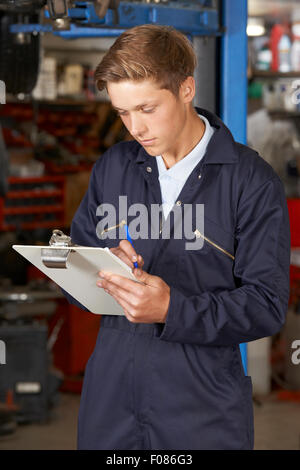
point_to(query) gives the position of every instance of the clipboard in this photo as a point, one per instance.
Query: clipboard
(75, 269)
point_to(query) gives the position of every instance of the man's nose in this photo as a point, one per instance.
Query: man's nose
(137, 125)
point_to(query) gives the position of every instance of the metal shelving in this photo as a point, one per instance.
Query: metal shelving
(28, 208)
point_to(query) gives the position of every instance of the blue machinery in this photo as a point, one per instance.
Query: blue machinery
(222, 21)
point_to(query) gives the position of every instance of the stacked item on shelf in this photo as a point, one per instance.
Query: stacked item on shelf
(62, 137)
(275, 59)
(282, 94)
(280, 52)
(36, 202)
(57, 80)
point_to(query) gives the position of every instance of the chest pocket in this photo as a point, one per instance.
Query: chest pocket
(211, 243)
(208, 264)
(208, 237)
(113, 234)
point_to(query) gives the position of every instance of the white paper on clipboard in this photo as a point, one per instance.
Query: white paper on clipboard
(81, 273)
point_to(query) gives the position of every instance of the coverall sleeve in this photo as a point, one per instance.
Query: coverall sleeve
(257, 307)
(84, 223)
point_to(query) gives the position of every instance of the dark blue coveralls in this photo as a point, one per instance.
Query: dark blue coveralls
(181, 385)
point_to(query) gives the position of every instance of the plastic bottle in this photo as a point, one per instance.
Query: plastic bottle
(49, 76)
(264, 58)
(284, 54)
(295, 49)
(275, 36)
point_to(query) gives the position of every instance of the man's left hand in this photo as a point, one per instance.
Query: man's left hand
(142, 303)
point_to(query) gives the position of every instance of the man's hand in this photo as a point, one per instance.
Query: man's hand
(142, 303)
(127, 253)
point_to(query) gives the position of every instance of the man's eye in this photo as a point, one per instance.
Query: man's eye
(148, 110)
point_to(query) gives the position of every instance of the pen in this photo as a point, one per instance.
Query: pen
(130, 241)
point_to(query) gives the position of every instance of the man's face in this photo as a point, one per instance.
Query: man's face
(153, 116)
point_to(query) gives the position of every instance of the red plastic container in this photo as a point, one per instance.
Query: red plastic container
(275, 36)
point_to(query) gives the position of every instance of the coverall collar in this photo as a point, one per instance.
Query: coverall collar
(221, 148)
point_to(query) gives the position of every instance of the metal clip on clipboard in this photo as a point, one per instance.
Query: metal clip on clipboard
(57, 258)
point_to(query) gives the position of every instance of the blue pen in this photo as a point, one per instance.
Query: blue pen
(130, 241)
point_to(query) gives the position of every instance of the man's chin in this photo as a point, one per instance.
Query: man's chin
(151, 151)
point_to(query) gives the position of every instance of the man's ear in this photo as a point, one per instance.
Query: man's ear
(187, 90)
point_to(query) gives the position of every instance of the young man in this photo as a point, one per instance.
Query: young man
(168, 374)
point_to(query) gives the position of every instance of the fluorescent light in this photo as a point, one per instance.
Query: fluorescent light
(255, 27)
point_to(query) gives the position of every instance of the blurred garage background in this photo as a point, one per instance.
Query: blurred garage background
(54, 125)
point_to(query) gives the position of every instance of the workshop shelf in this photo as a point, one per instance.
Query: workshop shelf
(33, 202)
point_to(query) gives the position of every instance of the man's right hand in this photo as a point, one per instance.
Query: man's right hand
(127, 253)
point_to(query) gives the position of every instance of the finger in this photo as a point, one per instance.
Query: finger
(127, 308)
(131, 318)
(122, 255)
(121, 282)
(120, 293)
(125, 258)
(140, 261)
(147, 279)
(128, 249)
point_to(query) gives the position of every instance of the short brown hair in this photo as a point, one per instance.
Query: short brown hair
(148, 51)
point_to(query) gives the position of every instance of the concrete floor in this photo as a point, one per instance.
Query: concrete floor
(59, 433)
(276, 424)
(277, 427)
